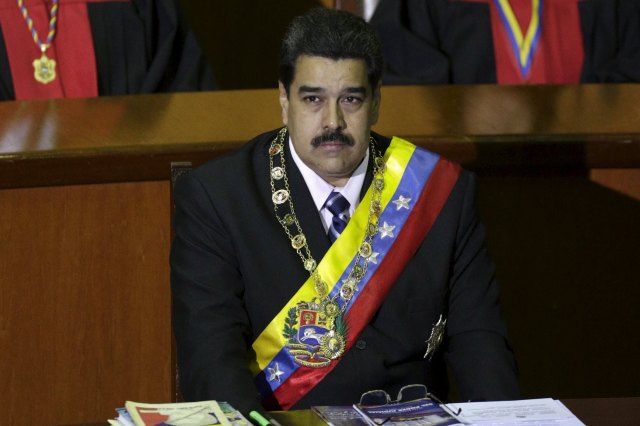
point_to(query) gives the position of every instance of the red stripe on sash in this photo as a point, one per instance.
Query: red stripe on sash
(418, 224)
(432, 198)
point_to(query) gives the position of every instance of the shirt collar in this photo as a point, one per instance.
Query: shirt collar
(320, 189)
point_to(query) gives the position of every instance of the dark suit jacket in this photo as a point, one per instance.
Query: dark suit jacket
(450, 41)
(233, 268)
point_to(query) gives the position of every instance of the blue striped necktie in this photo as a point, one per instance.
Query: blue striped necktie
(339, 208)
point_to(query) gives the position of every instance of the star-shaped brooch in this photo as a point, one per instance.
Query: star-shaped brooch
(386, 230)
(434, 340)
(275, 373)
(401, 203)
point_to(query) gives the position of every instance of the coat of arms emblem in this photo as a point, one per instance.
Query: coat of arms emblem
(316, 335)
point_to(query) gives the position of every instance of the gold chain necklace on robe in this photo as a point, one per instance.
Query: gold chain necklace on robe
(44, 69)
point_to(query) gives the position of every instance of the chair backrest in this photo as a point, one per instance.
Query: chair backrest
(178, 168)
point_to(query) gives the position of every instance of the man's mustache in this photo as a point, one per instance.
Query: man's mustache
(331, 137)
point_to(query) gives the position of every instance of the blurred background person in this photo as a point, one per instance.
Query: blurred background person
(509, 41)
(84, 48)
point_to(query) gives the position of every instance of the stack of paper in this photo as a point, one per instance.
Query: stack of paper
(529, 412)
(185, 413)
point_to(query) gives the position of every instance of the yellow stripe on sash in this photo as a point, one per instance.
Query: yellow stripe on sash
(525, 44)
(337, 258)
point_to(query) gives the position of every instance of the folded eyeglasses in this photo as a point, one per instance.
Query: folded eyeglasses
(407, 393)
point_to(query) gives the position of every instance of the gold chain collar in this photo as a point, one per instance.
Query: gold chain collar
(285, 213)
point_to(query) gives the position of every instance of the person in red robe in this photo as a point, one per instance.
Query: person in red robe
(509, 41)
(84, 48)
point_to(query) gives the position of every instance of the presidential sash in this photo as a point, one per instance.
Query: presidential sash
(299, 346)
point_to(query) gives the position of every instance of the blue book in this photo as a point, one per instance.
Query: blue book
(418, 412)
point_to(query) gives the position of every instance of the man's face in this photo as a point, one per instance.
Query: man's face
(329, 112)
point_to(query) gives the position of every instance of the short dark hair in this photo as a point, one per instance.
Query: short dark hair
(333, 34)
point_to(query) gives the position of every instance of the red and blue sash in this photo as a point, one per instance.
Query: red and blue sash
(417, 185)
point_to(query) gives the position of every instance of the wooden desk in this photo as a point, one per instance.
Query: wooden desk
(606, 411)
(591, 411)
(84, 235)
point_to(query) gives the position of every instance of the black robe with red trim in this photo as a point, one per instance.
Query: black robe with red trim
(450, 41)
(141, 46)
(233, 268)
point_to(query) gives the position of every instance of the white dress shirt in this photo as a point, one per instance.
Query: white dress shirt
(320, 189)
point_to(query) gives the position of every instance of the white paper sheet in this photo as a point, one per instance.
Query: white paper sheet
(529, 412)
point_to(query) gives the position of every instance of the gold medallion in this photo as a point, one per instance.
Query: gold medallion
(372, 229)
(289, 219)
(310, 264)
(331, 309)
(277, 173)
(365, 249)
(320, 286)
(275, 149)
(298, 241)
(376, 208)
(332, 345)
(280, 196)
(348, 289)
(44, 69)
(358, 271)
(379, 183)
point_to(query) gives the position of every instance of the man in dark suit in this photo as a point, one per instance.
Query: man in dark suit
(322, 260)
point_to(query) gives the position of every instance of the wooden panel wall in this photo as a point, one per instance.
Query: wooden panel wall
(566, 252)
(84, 305)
